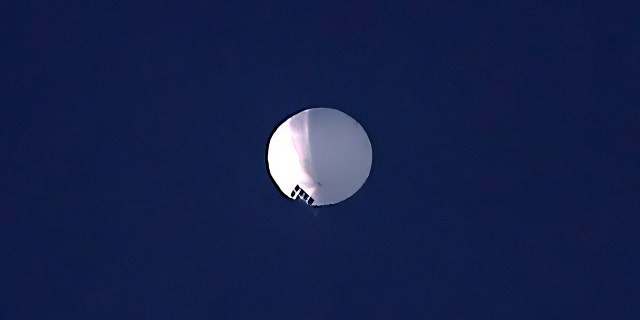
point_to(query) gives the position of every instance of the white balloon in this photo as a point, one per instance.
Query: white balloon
(319, 155)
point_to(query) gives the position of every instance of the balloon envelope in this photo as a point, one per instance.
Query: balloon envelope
(319, 155)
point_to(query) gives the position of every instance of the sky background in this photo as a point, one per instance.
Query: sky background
(505, 180)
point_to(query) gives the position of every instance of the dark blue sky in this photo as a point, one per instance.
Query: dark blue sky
(505, 180)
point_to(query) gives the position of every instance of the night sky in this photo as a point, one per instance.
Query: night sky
(505, 181)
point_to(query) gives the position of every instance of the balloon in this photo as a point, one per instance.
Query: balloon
(319, 155)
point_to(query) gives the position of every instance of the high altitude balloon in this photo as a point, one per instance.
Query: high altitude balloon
(319, 155)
